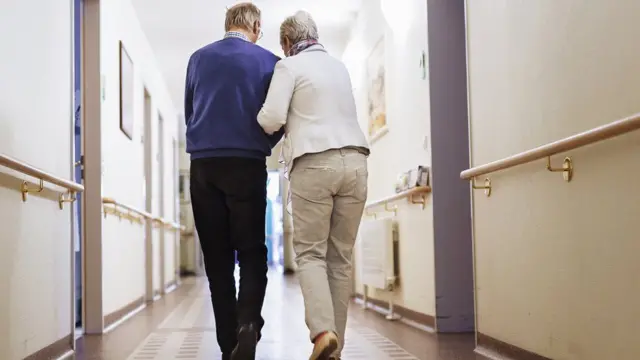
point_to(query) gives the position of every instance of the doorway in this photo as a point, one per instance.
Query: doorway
(274, 221)
(160, 259)
(78, 161)
(148, 196)
(175, 173)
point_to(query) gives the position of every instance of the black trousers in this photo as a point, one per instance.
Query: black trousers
(228, 196)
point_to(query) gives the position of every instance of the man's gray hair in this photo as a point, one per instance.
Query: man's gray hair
(298, 27)
(243, 15)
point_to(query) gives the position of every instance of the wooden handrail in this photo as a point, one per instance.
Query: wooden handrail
(175, 226)
(408, 194)
(42, 175)
(588, 137)
(166, 223)
(111, 201)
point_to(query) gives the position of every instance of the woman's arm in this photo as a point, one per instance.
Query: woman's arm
(273, 114)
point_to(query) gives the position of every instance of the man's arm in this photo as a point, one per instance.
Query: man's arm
(188, 93)
(273, 115)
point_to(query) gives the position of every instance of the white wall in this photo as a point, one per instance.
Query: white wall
(403, 146)
(557, 263)
(123, 159)
(35, 127)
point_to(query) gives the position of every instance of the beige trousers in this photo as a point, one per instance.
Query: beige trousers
(328, 195)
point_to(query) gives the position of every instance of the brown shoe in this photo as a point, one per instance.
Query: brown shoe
(324, 345)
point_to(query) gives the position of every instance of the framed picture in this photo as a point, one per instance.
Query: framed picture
(376, 92)
(126, 93)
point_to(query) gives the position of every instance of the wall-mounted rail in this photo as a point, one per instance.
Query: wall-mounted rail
(133, 214)
(71, 188)
(604, 132)
(417, 195)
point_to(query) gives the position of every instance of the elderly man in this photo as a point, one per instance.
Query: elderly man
(226, 85)
(325, 152)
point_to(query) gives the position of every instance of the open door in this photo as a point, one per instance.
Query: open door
(78, 162)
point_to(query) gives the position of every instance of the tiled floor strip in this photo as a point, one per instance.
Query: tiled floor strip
(189, 332)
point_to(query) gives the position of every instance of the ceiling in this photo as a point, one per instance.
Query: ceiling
(175, 29)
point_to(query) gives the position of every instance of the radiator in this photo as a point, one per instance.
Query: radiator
(378, 250)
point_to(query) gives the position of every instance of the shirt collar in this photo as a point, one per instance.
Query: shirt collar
(236, 34)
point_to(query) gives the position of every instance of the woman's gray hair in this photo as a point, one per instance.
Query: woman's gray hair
(298, 27)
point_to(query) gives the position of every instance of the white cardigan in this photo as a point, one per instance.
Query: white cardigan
(312, 97)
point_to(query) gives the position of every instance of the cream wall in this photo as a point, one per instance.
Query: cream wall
(170, 249)
(187, 243)
(35, 127)
(403, 147)
(123, 159)
(557, 262)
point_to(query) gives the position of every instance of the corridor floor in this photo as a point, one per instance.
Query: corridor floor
(181, 326)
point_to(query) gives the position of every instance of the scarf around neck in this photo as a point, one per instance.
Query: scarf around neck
(302, 45)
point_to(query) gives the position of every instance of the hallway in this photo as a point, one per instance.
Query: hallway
(504, 141)
(181, 326)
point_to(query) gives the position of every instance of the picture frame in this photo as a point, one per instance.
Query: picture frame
(126, 92)
(376, 91)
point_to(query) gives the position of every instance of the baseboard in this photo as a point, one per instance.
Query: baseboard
(53, 351)
(114, 317)
(496, 349)
(187, 273)
(408, 316)
(171, 286)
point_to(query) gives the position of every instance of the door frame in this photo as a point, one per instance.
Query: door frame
(471, 192)
(76, 222)
(175, 171)
(148, 178)
(91, 85)
(161, 190)
(74, 69)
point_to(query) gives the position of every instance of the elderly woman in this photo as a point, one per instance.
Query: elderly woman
(325, 154)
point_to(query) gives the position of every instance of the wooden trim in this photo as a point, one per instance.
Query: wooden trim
(493, 347)
(420, 190)
(53, 351)
(33, 171)
(588, 137)
(119, 314)
(414, 316)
